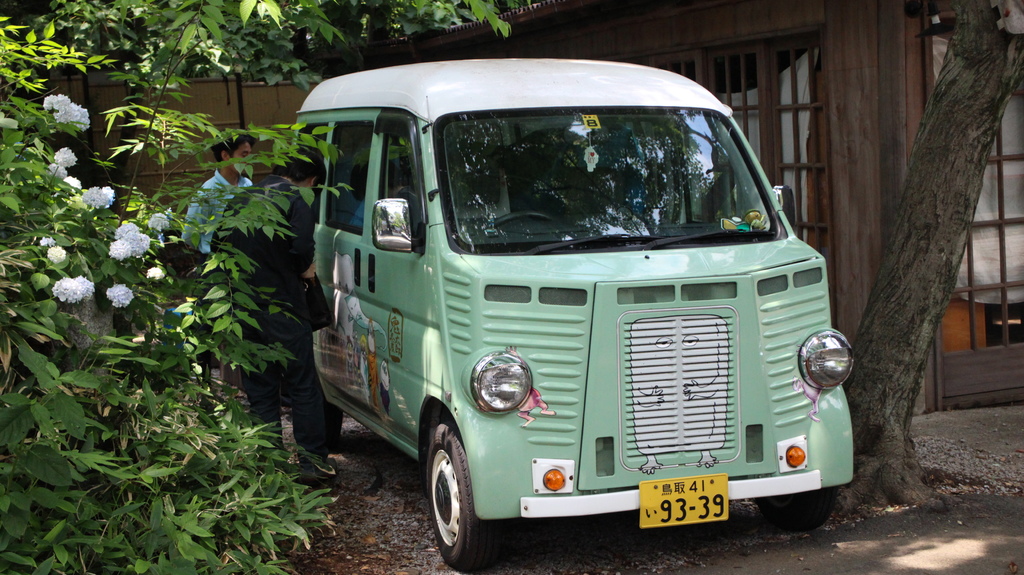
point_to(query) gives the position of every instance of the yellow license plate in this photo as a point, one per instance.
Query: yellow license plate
(701, 499)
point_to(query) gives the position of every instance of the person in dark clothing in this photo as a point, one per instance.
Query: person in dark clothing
(281, 263)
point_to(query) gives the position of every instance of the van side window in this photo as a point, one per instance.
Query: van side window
(350, 175)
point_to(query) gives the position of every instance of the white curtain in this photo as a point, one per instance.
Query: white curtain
(987, 250)
(791, 151)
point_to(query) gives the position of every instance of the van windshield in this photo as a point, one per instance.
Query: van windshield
(604, 179)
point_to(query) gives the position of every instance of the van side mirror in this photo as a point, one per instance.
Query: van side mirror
(391, 227)
(784, 194)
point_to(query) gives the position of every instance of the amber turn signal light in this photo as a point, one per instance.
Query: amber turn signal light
(554, 480)
(795, 456)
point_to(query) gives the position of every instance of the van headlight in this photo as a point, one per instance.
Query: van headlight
(826, 359)
(501, 381)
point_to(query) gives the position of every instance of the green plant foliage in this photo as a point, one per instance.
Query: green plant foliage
(118, 453)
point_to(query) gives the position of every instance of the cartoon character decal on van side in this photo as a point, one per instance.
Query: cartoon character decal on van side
(362, 341)
(697, 393)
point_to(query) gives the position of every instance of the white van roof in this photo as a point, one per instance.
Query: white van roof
(431, 90)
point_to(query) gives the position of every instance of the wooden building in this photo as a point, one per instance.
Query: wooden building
(830, 93)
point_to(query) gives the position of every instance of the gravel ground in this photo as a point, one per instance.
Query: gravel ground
(380, 518)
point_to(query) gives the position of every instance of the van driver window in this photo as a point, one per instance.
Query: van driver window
(349, 175)
(398, 175)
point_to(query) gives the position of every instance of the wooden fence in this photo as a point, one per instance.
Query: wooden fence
(229, 103)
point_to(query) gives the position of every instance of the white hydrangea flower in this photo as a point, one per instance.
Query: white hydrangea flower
(56, 254)
(47, 242)
(97, 197)
(58, 171)
(159, 222)
(73, 290)
(126, 229)
(65, 158)
(155, 274)
(73, 182)
(66, 112)
(129, 242)
(120, 295)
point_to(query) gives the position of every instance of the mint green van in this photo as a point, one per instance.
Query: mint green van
(567, 288)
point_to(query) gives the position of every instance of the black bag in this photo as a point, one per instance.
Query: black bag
(320, 315)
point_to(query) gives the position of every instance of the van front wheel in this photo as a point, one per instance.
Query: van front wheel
(466, 542)
(799, 511)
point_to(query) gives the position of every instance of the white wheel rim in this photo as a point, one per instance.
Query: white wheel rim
(445, 495)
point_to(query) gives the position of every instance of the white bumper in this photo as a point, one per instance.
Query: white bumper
(555, 506)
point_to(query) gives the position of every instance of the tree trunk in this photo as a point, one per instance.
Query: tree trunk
(919, 268)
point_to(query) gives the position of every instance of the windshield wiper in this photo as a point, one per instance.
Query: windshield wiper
(609, 239)
(712, 235)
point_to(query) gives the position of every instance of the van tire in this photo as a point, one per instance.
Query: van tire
(466, 542)
(333, 419)
(799, 511)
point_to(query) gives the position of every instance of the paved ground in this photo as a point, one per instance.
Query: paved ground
(976, 535)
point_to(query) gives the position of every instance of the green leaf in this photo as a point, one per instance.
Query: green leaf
(47, 566)
(273, 10)
(218, 309)
(70, 413)
(216, 292)
(47, 465)
(39, 281)
(15, 423)
(186, 37)
(56, 531)
(16, 559)
(221, 324)
(47, 308)
(245, 10)
(37, 363)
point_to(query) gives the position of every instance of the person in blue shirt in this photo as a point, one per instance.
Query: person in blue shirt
(203, 214)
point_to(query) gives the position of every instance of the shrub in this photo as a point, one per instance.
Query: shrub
(118, 454)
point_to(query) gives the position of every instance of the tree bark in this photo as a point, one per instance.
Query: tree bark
(919, 267)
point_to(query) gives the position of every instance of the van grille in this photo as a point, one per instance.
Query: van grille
(680, 389)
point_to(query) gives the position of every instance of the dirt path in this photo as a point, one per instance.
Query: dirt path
(381, 523)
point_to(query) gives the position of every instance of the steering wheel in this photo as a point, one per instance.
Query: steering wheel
(501, 220)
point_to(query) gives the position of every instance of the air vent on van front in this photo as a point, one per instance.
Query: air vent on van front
(562, 296)
(772, 285)
(652, 294)
(807, 277)
(507, 294)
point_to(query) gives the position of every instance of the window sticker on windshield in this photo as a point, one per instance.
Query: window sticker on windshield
(591, 122)
(590, 157)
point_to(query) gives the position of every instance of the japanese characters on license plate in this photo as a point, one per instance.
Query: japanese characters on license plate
(680, 501)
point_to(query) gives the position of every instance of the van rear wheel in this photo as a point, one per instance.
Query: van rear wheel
(466, 542)
(799, 511)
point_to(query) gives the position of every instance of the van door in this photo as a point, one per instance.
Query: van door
(381, 298)
(342, 242)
